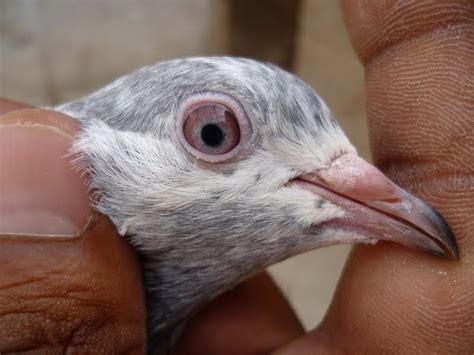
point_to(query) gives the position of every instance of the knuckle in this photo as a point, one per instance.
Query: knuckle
(57, 298)
(377, 26)
(69, 322)
(35, 316)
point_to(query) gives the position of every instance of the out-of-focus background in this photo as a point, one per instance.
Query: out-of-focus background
(56, 50)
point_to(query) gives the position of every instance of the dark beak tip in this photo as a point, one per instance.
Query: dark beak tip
(447, 241)
(440, 254)
(448, 248)
(452, 245)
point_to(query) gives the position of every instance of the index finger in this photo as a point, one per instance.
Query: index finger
(419, 77)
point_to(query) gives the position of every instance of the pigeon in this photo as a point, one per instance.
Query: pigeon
(214, 168)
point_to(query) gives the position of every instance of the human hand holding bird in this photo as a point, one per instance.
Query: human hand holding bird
(283, 331)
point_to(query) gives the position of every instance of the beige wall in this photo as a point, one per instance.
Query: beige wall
(55, 50)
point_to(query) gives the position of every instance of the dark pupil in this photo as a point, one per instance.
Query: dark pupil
(212, 135)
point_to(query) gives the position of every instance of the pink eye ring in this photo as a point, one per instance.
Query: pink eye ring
(214, 127)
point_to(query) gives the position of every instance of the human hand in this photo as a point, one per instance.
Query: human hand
(79, 291)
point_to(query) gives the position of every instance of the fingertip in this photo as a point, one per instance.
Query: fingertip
(375, 26)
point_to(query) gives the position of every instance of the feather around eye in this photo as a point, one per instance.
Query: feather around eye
(213, 127)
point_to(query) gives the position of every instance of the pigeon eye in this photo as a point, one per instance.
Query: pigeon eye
(214, 127)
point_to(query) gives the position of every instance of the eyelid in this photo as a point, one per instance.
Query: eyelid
(247, 133)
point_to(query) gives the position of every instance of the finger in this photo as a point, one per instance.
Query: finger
(67, 281)
(419, 78)
(419, 73)
(7, 105)
(254, 318)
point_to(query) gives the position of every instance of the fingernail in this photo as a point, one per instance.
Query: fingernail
(39, 193)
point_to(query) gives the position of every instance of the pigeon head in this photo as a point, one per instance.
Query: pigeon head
(215, 168)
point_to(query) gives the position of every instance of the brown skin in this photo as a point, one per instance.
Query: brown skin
(58, 294)
(390, 299)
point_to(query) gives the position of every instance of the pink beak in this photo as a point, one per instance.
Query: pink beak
(378, 209)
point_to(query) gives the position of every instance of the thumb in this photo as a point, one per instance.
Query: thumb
(67, 281)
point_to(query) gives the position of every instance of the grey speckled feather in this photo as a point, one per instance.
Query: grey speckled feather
(201, 229)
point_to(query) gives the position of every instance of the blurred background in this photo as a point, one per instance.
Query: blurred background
(52, 51)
